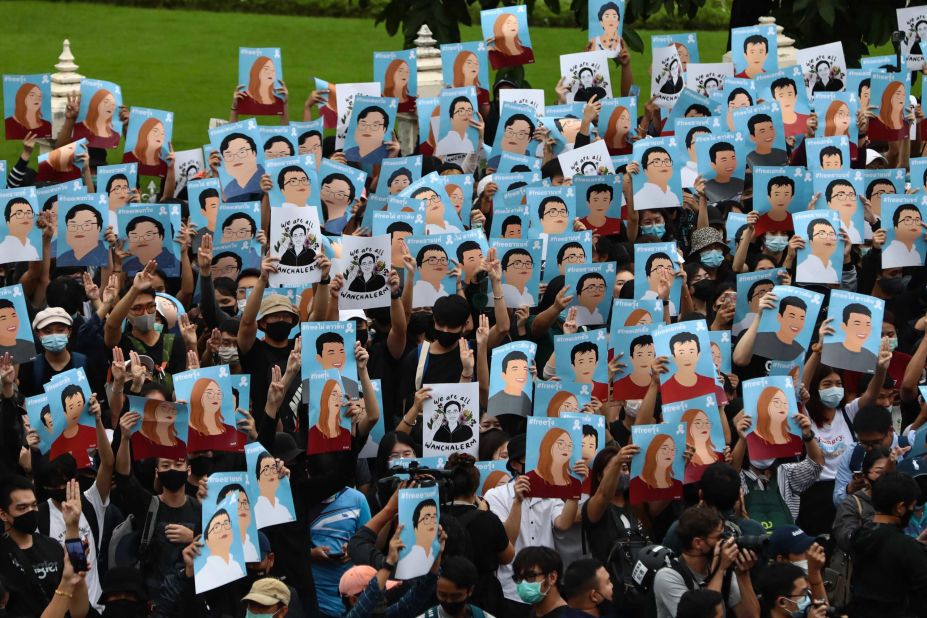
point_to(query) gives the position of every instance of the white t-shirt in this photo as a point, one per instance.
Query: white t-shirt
(515, 299)
(835, 439)
(898, 255)
(271, 514)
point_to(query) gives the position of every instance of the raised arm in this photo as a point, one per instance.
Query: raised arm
(247, 332)
(370, 399)
(396, 339)
(743, 351)
(112, 330)
(878, 378)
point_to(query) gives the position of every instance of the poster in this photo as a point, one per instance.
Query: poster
(418, 515)
(630, 312)
(219, 486)
(295, 181)
(521, 272)
(658, 470)
(295, 239)
(367, 262)
(149, 230)
(242, 161)
(456, 133)
(590, 160)
(510, 221)
(398, 173)
(222, 560)
(606, 19)
(785, 331)
(691, 372)
(398, 72)
(821, 260)
(260, 79)
(635, 346)
(510, 379)
(16, 337)
(376, 434)
(721, 352)
(505, 31)
(330, 428)
(827, 153)
(27, 106)
(708, 78)
(902, 219)
(774, 431)
(599, 203)
(278, 142)
(22, 240)
(344, 95)
(451, 419)
(912, 21)
(754, 50)
(762, 126)
(492, 474)
(686, 45)
(555, 397)
(856, 320)
(309, 138)
(98, 117)
(591, 287)
(837, 113)
(889, 97)
(40, 419)
(657, 184)
(586, 76)
(80, 226)
(582, 357)
(784, 87)
(751, 288)
(721, 159)
(778, 192)
(552, 209)
(433, 265)
(823, 67)
(203, 197)
(75, 428)
(553, 447)
(269, 492)
(517, 123)
(62, 164)
(840, 193)
(148, 140)
(116, 182)
(564, 250)
(213, 422)
(339, 187)
(704, 432)
(369, 130)
(881, 182)
(658, 264)
(465, 65)
(666, 76)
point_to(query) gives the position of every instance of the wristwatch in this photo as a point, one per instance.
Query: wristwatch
(325, 280)
(807, 438)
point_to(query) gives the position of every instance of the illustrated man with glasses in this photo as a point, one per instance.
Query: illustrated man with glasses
(117, 190)
(269, 510)
(146, 242)
(220, 565)
(554, 215)
(816, 267)
(425, 528)
(432, 265)
(20, 220)
(293, 183)
(516, 134)
(903, 251)
(660, 272)
(434, 211)
(83, 225)
(590, 290)
(239, 158)
(369, 134)
(240, 227)
(517, 269)
(757, 290)
(658, 168)
(456, 140)
(841, 198)
(570, 253)
(337, 194)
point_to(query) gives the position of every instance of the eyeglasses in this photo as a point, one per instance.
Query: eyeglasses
(556, 212)
(910, 220)
(339, 195)
(530, 575)
(142, 309)
(463, 111)
(238, 154)
(660, 163)
(118, 189)
(573, 258)
(212, 395)
(134, 237)
(268, 469)
(521, 263)
(435, 261)
(220, 526)
(844, 195)
(83, 227)
(22, 214)
(297, 181)
(369, 126)
(831, 235)
(225, 270)
(872, 443)
(666, 269)
(248, 233)
(428, 517)
(510, 132)
(596, 287)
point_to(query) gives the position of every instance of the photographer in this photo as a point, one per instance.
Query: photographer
(785, 593)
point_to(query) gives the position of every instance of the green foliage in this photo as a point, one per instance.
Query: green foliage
(443, 18)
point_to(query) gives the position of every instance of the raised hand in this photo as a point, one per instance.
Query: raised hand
(466, 358)
(144, 279)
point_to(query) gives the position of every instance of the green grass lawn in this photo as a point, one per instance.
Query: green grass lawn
(186, 61)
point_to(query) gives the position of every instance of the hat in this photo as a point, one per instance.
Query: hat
(285, 448)
(120, 579)
(51, 315)
(714, 215)
(268, 591)
(355, 580)
(789, 540)
(705, 237)
(516, 447)
(276, 303)
(263, 545)
(483, 183)
(146, 361)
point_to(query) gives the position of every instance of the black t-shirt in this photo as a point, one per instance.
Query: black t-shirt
(176, 361)
(382, 366)
(31, 575)
(259, 362)
(439, 369)
(487, 536)
(601, 535)
(561, 612)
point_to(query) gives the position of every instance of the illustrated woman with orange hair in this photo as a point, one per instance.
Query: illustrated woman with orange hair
(837, 119)
(562, 401)
(890, 125)
(158, 436)
(328, 434)
(656, 480)
(396, 84)
(428, 147)
(147, 151)
(97, 126)
(208, 431)
(467, 73)
(698, 437)
(59, 166)
(27, 114)
(505, 48)
(617, 132)
(494, 479)
(552, 478)
(262, 96)
(771, 436)
(639, 317)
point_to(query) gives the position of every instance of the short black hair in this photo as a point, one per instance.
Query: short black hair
(816, 222)
(546, 559)
(720, 486)
(580, 577)
(460, 99)
(872, 419)
(855, 308)
(467, 245)
(225, 254)
(135, 222)
(891, 488)
(832, 186)
(428, 502)
(515, 118)
(11, 484)
(279, 139)
(896, 216)
(113, 179)
(375, 109)
(757, 284)
(780, 181)
(206, 194)
(653, 258)
(420, 257)
(509, 221)
(339, 176)
(227, 489)
(401, 171)
(586, 277)
(305, 136)
(289, 169)
(696, 131)
(780, 83)
(877, 182)
(736, 91)
(568, 245)
(460, 571)
(792, 301)
(699, 603)
(399, 226)
(240, 215)
(514, 355)
(582, 348)
(697, 522)
(698, 107)
(609, 6)
(684, 337)
(757, 119)
(830, 151)
(645, 159)
(756, 39)
(550, 199)
(328, 337)
(719, 147)
(639, 342)
(233, 136)
(72, 212)
(218, 513)
(512, 253)
(13, 202)
(600, 187)
(257, 465)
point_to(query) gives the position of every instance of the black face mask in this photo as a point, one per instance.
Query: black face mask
(231, 310)
(27, 522)
(453, 608)
(624, 483)
(444, 338)
(125, 608)
(703, 289)
(892, 285)
(58, 495)
(201, 466)
(278, 331)
(172, 480)
(362, 336)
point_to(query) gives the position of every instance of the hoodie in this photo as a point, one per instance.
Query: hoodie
(889, 573)
(854, 512)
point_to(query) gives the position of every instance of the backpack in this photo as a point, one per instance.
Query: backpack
(167, 345)
(488, 593)
(839, 571)
(623, 557)
(87, 510)
(135, 540)
(78, 361)
(765, 504)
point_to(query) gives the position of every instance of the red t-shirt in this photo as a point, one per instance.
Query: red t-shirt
(673, 391)
(612, 226)
(767, 224)
(85, 438)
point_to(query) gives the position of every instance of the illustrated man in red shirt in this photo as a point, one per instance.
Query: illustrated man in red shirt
(685, 383)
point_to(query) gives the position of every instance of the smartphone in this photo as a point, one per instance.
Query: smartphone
(634, 91)
(76, 554)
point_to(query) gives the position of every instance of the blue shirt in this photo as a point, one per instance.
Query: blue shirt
(99, 256)
(233, 189)
(166, 262)
(333, 528)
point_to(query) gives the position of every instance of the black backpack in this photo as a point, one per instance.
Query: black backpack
(623, 557)
(488, 594)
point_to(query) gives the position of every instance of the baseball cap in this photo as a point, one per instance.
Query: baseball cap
(789, 540)
(276, 303)
(355, 580)
(51, 315)
(268, 591)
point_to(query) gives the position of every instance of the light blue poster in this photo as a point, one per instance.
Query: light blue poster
(722, 160)
(428, 113)
(657, 184)
(691, 104)
(704, 432)
(204, 198)
(80, 227)
(22, 240)
(295, 181)
(219, 486)
(517, 123)
(373, 119)
(27, 105)
(687, 40)
(633, 346)
(397, 72)
(836, 114)
(856, 320)
(511, 221)
(242, 161)
(552, 209)
(393, 223)
(329, 346)
(564, 250)
(762, 126)
(229, 258)
(98, 117)
(593, 427)
(606, 21)
(69, 400)
(512, 162)
(269, 491)
(459, 190)
(505, 31)
(62, 164)
(686, 130)
(591, 287)
(554, 397)
(15, 327)
(734, 226)
(754, 50)
(398, 173)
(599, 203)
(510, 382)
(751, 288)
(785, 331)
(456, 133)
(707, 78)
(492, 474)
(161, 430)
(222, 559)
(116, 182)
(785, 88)
(433, 266)
(553, 446)
(889, 97)
(617, 122)
(149, 230)
(379, 429)
(507, 182)
(419, 513)
(821, 259)
(859, 81)
(260, 79)
(521, 271)
(919, 174)
(309, 138)
(278, 142)
(213, 421)
(658, 470)
(629, 312)
(42, 421)
(340, 187)
(827, 153)
(148, 140)
(690, 370)
(582, 357)
(902, 219)
(441, 216)
(882, 182)
(721, 350)
(774, 431)
(779, 192)
(466, 65)
(840, 192)
(657, 264)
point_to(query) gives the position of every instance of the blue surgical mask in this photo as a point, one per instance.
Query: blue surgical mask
(158, 327)
(831, 397)
(54, 343)
(530, 592)
(892, 343)
(776, 244)
(711, 258)
(801, 606)
(654, 229)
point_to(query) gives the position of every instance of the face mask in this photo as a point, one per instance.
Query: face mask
(54, 343)
(703, 289)
(58, 495)
(801, 607)
(654, 229)
(632, 406)
(158, 327)
(125, 608)
(892, 343)
(250, 614)
(278, 331)
(711, 258)
(624, 483)
(362, 336)
(172, 480)
(242, 303)
(227, 355)
(776, 244)
(230, 311)
(143, 323)
(892, 285)
(27, 522)
(831, 397)
(802, 564)
(444, 338)
(453, 608)
(530, 592)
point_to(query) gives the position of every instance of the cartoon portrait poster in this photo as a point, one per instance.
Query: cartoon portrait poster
(428, 112)
(554, 397)
(27, 106)
(617, 122)
(593, 428)
(590, 160)
(16, 337)
(517, 123)
(466, 65)
(367, 261)
(419, 513)
(771, 405)
(912, 21)
(231, 257)
(492, 474)
(222, 559)
(329, 424)
(721, 351)
(512, 163)
(219, 486)
(565, 250)
(704, 432)
(552, 209)
(606, 21)
(762, 129)
(591, 287)
(433, 264)
(116, 182)
(80, 227)
(878, 183)
(821, 259)
(397, 173)
(837, 112)
(823, 67)
(902, 219)
(295, 238)
(585, 75)
(41, 420)
(456, 134)
(657, 183)
(667, 76)
(373, 119)
(505, 31)
(148, 140)
(398, 72)
(204, 196)
(658, 470)
(840, 192)
(260, 78)
(521, 271)
(208, 392)
(553, 447)
(784, 332)
(451, 420)
(379, 429)
(187, 165)
(751, 288)
(149, 230)
(734, 226)
(344, 96)
(582, 357)
(98, 117)
(397, 226)
(161, 430)
(326, 346)
(69, 401)
(889, 97)
(295, 181)
(754, 50)
(778, 193)
(62, 164)
(856, 320)
(510, 379)
(242, 160)
(691, 372)
(628, 312)
(340, 186)
(511, 221)
(657, 263)
(708, 78)
(270, 493)
(686, 45)
(634, 344)
(278, 142)
(722, 161)
(784, 87)
(22, 240)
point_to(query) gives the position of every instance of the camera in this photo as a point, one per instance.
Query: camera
(754, 542)
(897, 37)
(425, 477)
